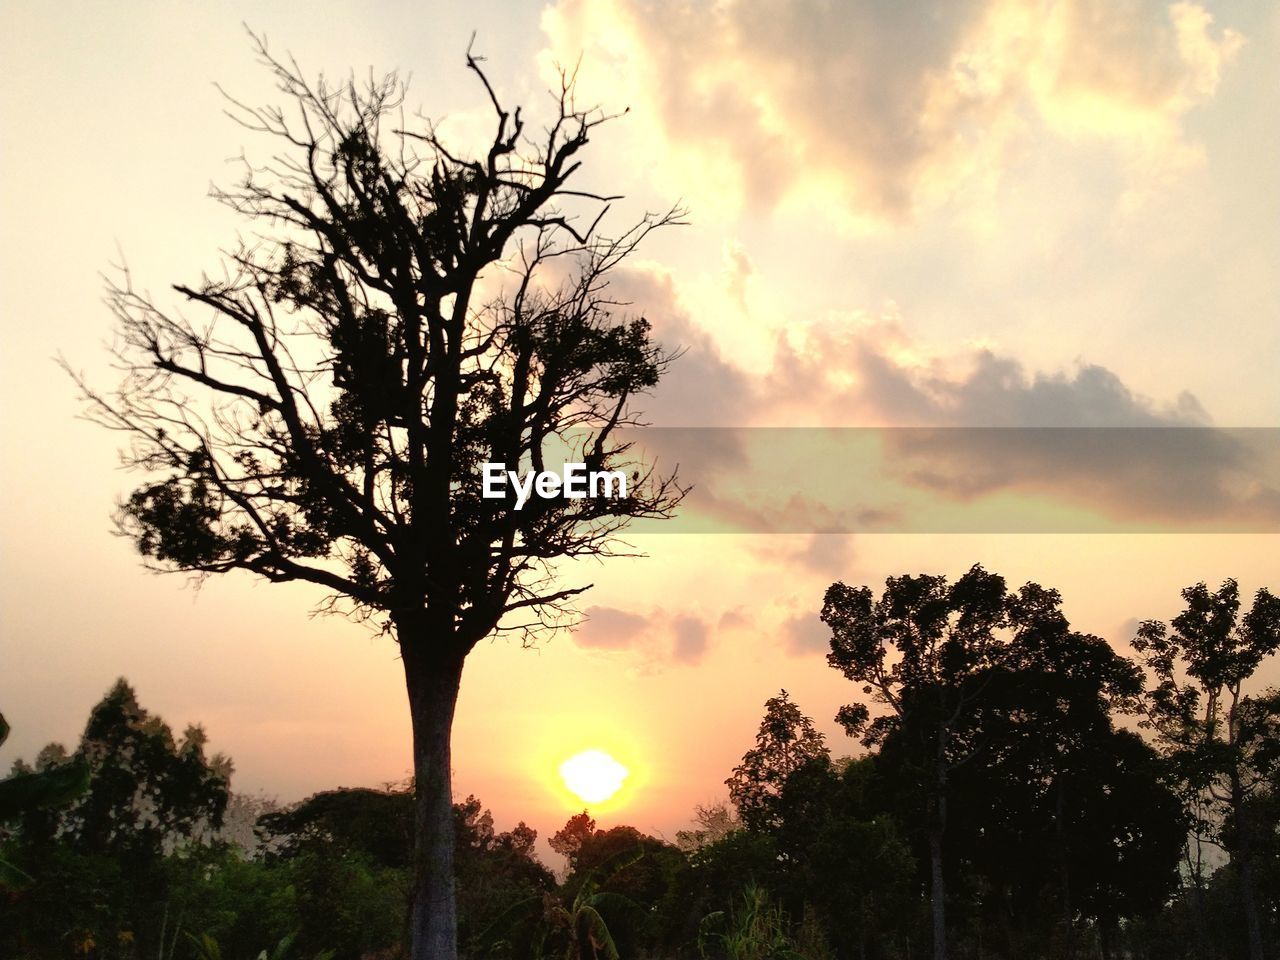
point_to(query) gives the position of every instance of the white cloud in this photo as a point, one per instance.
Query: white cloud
(870, 111)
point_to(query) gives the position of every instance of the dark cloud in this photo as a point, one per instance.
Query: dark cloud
(850, 375)
(1161, 474)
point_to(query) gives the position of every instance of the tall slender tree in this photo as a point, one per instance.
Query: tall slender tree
(409, 311)
(1201, 662)
(925, 650)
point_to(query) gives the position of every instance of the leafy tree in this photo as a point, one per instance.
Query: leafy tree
(378, 823)
(1062, 815)
(1201, 662)
(998, 742)
(24, 793)
(348, 855)
(104, 864)
(149, 790)
(569, 839)
(495, 870)
(787, 740)
(835, 858)
(621, 860)
(844, 853)
(718, 875)
(409, 313)
(945, 637)
(577, 923)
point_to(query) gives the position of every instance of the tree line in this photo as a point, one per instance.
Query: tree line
(1024, 790)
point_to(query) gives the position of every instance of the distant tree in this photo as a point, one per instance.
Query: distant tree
(1201, 662)
(719, 872)
(715, 821)
(58, 782)
(496, 871)
(623, 862)
(346, 854)
(376, 823)
(569, 840)
(104, 864)
(579, 922)
(786, 742)
(148, 789)
(405, 313)
(945, 639)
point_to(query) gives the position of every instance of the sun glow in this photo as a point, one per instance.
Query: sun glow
(593, 776)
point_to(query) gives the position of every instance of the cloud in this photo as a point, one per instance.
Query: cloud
(856, 369)
(877, 374)
(654, 637)
(1161, 476)
(859, 369)
(608, 628)
(805, 635)
(690, 639)
(872, 110)
(701, 387)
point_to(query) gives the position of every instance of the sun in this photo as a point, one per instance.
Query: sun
(593, 775)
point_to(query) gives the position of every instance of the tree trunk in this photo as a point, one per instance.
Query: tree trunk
(937, 894)
(432, 681)
(938, 816)
(937, 882)
(1242, 857)
(1195, 873)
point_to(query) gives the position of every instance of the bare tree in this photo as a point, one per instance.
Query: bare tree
(406, 313)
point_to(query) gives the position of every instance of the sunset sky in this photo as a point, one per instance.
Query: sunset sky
(1003, 213)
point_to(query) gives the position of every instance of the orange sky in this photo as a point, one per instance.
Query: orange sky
(994, 212)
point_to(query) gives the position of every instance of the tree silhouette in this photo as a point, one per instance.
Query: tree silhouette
(786, 743)
(103, 863)
(1061, 817)
(569, 840)
(24, 793)
(1201, 662)
(946, 642)
(407, 314)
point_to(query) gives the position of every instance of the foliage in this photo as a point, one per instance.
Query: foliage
(1063, 826)
(103, 865)
(569, 839)
(1223, 742)
(755, 928)
(787, 740)
(22, 794)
